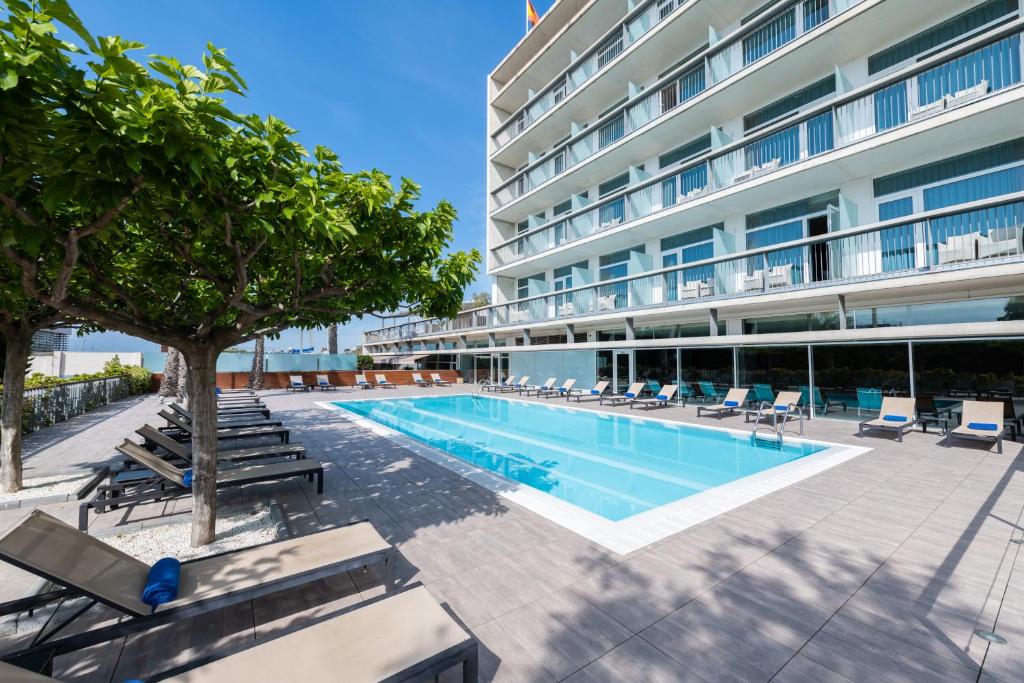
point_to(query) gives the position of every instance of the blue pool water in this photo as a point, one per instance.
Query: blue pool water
(612, 465)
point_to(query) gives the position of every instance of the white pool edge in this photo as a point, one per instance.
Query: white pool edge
(640, 530)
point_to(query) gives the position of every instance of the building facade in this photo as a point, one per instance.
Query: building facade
(819, 194)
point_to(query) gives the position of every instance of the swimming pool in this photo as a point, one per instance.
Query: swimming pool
(614, 466)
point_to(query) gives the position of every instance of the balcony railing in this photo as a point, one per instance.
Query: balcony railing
(712, 66)
(636, 25)
(985, 232)
(976, 70)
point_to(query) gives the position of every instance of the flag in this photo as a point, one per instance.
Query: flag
(531, 16)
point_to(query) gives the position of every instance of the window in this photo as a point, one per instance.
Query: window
(562, 207)
(612, 266)
(985, 310)
(609, 186)
(665, 8)
(772, 35)
(669, 96)
(783, 224)
(790, 103)
(687, 247)
(609, 50)
(800, 322)
(815, 12)
(940, 35)
(686, 151)
(611, 131)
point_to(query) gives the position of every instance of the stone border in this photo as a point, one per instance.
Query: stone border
(99, 474)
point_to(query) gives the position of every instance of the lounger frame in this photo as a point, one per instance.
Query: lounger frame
(40, 654)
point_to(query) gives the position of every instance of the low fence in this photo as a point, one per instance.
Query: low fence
(45, 406)
(340, 378)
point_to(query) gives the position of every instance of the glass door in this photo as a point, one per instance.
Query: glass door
(622, 370)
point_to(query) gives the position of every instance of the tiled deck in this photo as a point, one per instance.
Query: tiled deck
(878, 569)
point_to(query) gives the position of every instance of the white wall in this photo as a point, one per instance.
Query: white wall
(65, 363)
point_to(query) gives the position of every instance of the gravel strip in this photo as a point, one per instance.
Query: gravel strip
(234, 530)
(65, 484)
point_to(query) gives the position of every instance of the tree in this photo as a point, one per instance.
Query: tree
(169, 382)
(481, 299)
(135, 199)
(256, 372)
(332, 339)
(364, 362)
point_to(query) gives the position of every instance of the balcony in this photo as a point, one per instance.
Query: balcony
(982, 233)
(957, 77)
(636, 25)
(746, 47)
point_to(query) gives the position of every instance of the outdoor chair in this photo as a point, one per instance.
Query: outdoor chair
(558, 391)
(404, 636)
(663, 399)
(154, 438)
(227, 421)
(895, 415)
(685, 391)
(628, 396)
(510, 386)
(382, 381)
(438, 381)
(708, 392)
(295, 383)
(361, 382)
(821, 400)
(980, 421)
(784, 406)
(549, 384)
(418, 379)
(763, 393)
(869, 399)
(594, 394)
(183, 430)
(85, 567)
(161, 480)
(507, 382)
(324, 384)
(231, 412)
(733, 402)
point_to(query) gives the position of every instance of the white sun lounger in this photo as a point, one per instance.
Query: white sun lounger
(732, 403)
(662, 400)
(896, 415)
(980, 421)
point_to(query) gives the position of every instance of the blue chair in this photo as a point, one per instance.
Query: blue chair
(708, 391)
(821, 401)
(763, 392)
(869, 400)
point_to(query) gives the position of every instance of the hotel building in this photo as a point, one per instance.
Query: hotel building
(818, 194)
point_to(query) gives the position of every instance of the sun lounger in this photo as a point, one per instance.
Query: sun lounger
(594, 394)
(324, 384)
(784, 406)
(295, 383)
(708, 392)
(155, 438)
(87, 567)
(980, 421)
(184, 429)
(404, 636)
(161, 480)
(228, 413)
(662, 399)
(228, 421)
(438, 381)
(234, 392)
(732, 403)
(382, 381)
(628, 396)
(418, 379)
(895, 415)
(549, 384)
(558, 391)
(361, 382)
(514, 386)
(763, 393)
(507, 382)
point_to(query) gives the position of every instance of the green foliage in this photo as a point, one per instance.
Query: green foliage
(139, 379)
(135, 199)
(364, 362)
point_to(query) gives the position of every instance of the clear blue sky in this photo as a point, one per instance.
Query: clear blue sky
(397, 85)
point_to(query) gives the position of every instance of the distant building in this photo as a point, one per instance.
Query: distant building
(48, 341)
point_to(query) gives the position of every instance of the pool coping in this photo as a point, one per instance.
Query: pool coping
(644, 528)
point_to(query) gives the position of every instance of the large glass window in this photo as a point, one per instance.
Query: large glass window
(946, 373)
(655, 367)
(614, 296)
(770, 37)
(852, 379)
(797, 322)
(768, 370)
(688, 247)
(706, 368)
(990, 309)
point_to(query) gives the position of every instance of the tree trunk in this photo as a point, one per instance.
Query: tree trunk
(332, 339)
(256, 372)
(202, 379)
(16, 364)
(169, 383)
(182, 388)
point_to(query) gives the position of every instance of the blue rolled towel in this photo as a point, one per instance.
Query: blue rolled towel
(629, 394)
(984, 426)
(782, 409)
(662, 397)
(731, 404)
(162, 582)
(188, 478)
(595, 392)
(895, 418)
(217, 390)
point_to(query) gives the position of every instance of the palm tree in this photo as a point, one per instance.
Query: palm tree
(169, 382)
(256, 372)
(332, 339)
